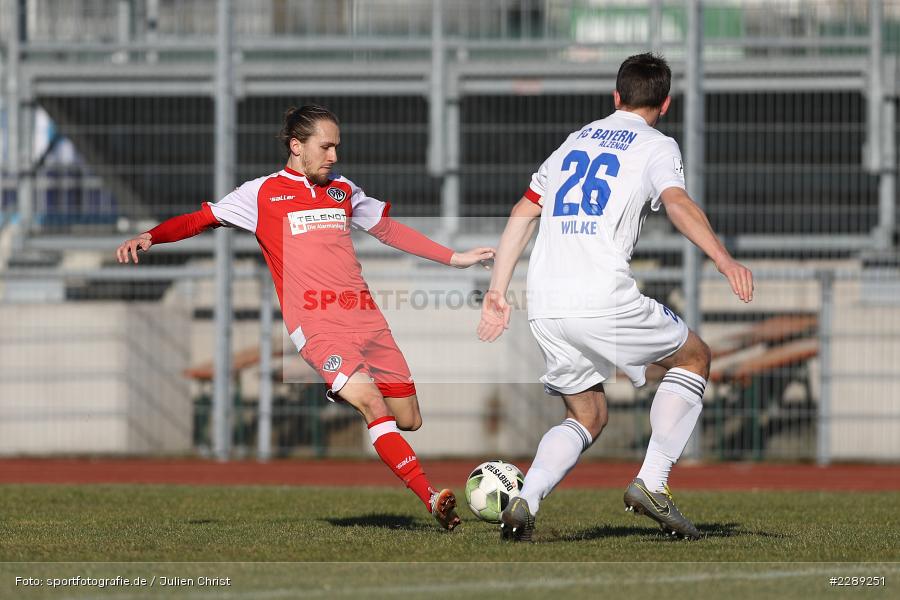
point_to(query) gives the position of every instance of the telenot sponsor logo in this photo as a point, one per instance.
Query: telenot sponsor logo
(303, 221)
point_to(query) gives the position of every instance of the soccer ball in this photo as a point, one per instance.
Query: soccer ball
(490, 488)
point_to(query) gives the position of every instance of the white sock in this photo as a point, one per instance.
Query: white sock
(557, 453)
(673, 415)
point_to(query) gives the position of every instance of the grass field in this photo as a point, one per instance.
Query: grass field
(794, 540)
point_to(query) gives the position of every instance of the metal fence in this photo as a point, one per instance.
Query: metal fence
(807, 373)
(477, 92)
(109, 125)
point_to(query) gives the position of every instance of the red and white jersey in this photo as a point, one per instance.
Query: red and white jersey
(304, 232)
(595, 191)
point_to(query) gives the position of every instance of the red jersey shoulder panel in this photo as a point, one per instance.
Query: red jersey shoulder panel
(240, 208)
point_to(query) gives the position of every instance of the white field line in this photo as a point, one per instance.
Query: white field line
(433, 589)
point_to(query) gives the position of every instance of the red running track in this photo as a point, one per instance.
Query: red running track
(719, 476)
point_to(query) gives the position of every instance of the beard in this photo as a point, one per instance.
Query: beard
(316, 176)
(319, 179)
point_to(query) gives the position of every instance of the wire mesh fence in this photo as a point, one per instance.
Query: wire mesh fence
(807, 374)
(108, 113)
(784, 156)
(819, 24)
(778, 163)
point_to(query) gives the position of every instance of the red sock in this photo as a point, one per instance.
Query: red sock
(399, 457)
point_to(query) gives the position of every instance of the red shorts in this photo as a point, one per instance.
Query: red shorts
(337, 357)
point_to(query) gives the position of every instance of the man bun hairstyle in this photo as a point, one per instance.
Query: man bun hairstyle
(644, 81)
(300, 123)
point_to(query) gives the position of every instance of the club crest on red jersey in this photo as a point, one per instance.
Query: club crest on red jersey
(332, 363)
(337, 194)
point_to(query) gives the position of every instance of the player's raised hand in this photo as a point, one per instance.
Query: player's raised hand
(462, 260)
(495, 311)
(129, 249)
(740, 278)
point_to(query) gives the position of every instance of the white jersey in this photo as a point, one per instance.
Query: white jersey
(596, 190)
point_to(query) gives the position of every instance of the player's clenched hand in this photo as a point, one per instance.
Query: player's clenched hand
(130, 248)
(495, 312)
(462, 260)
(740, 278)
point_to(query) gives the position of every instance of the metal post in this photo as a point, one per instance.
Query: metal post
(152, 25)
(823, 420)
(224, 157)
(13, 122)
(876, 92)
(450, 187)
(693, 137)
(438, 127)
(264, 431)
(25, 176)
(654, 26)
(878, 133)
(887, 182)
(3, 130)
(436, 93)
(123, 25)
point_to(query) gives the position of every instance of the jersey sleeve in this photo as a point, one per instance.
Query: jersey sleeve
(240, 208)
(664, 170)
(367, 211)
(184, 226)
(538, 186)
(392, 233)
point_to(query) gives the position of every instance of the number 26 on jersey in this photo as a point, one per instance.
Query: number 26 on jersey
(586, 174)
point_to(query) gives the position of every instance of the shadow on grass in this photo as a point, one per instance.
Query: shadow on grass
(379, 520)
(723, 530)
(600, 532)
(708, 530)
(204, 521)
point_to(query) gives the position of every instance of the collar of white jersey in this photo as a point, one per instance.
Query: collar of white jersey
(626, 114)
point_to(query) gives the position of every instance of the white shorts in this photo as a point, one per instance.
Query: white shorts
(581, 352)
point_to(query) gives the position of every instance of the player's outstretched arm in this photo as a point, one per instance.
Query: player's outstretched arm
(464, 260)
(405, 238)
(495, 311)
(171, 230)
(691, 221)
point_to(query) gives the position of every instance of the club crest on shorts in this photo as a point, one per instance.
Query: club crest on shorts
(332, 363)
(337, 194)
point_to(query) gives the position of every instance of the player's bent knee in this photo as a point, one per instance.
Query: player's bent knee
(697, 357)
(602, 421)
(706, 353)
(597, 425)
(370, 403)
(594, 422)
(409, 422)
(702, 357)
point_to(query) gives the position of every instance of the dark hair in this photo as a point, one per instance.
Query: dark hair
(300, 123)
(644, 81)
